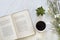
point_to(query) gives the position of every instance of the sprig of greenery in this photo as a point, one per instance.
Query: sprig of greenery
(54, 11)
(40, 11)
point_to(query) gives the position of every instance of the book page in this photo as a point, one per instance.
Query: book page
(0, 37)
(6, 28)
(23, 24)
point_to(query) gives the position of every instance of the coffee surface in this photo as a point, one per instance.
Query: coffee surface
(40, 25)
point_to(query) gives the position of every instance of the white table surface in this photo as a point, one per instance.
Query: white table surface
(11, 6)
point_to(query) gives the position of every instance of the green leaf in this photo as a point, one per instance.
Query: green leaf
(40, 11)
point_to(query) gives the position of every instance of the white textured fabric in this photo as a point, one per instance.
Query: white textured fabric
(11, 6)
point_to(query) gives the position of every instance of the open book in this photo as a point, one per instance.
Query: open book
(17, 25)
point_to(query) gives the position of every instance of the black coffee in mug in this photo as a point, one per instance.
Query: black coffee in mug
(40, 25)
